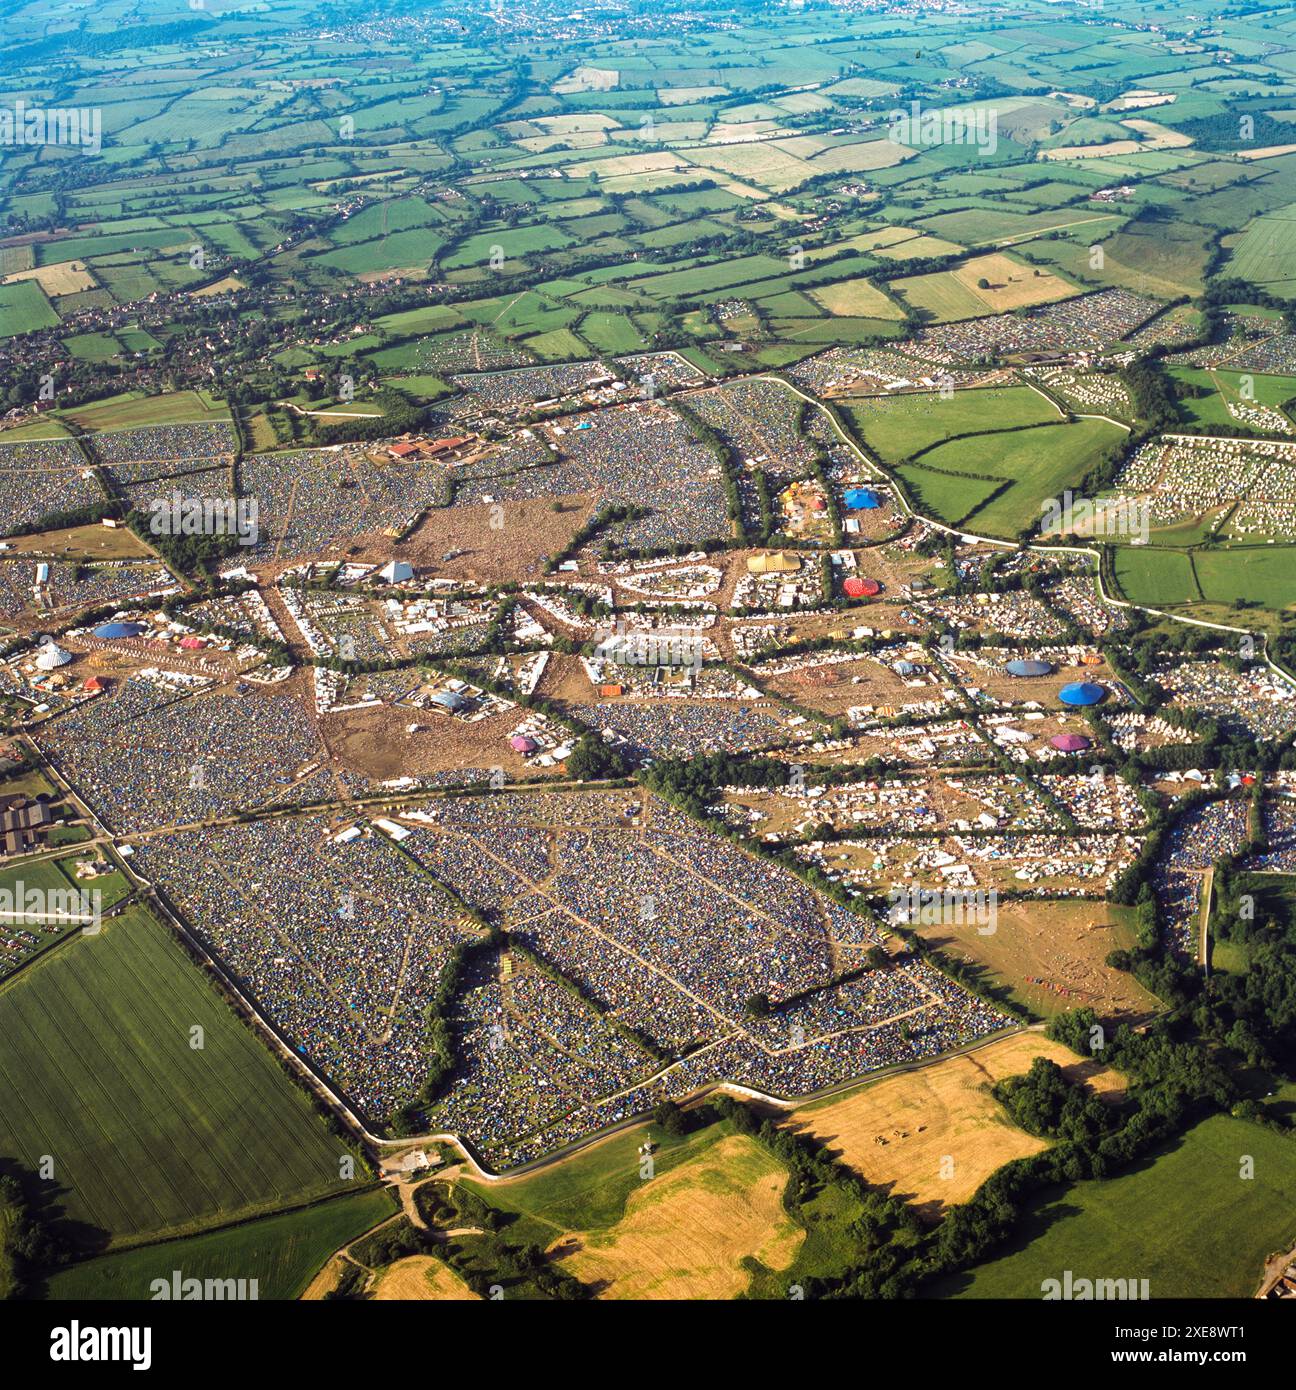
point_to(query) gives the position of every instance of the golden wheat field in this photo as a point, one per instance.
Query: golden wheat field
(933, 1135)
(685, 1234)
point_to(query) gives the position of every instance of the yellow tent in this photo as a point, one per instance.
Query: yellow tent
(773, 562)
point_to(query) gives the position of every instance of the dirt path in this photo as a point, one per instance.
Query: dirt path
(1275, 1267)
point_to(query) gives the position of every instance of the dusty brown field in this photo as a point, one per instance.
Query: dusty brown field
(684, 1234)
(493, 554)
(565, 679)
(376, 742)
(856, 297)
(836, 687)
(939, 1118)
(84, 542)
(1063, 944)
(420, 1278)
(1042, 689)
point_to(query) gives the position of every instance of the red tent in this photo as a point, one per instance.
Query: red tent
(1070, 743)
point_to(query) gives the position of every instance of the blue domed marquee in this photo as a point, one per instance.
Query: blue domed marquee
(1081, 693)
(110, 630)
(862, 499)
(451, 700)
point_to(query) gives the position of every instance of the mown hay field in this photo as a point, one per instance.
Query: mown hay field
(942, 1131)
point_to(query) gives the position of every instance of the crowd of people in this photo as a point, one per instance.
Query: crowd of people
(1255, 702)
(666, 931)
(144, 758)
(1087, 323)
(76, 584)
(341, 942)
(1196, 842)
(1188, 475)
(1014, 613)
(640, 455)
(316, 501)
(1077, 597)
(668, 729)
(1280, 833)
(823, 1041)
(39, 478)
(154, 451)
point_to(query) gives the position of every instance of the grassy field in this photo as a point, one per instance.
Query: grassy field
(1264, 255)
(855, 298)
(1042, 463)
(942, 1131)
(24, 308)
(151, 1136)
(898, 427)
(1050, 956)
(1155, 577)
(996, 483)
(980, 225)
(947, 495)
(132, 410)
(49, 876)
(589, 1190)
(1266, 574)
(1225, 386)
(1219, 576)
(1185, 1221)
(715, 1198)
(281, 1252)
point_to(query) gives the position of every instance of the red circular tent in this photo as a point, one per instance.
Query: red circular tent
(1070, 743)
(862, 588)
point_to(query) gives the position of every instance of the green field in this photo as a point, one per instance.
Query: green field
(1266, 574)
(1210, 409)
(1225, 575)
(1267, 251)
(612, 333)
(1015, 472)
(24, 308)
(151, 1136)
(984, 225)
(283, 1253)
(1186, 1222)
(946, 495)
(1156, 577)
(900, 427)
(589, 1190)
(133, 410)
(411, 249)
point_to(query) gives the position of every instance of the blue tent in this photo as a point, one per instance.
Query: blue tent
(1029, 668)
(1081, 693)
(449, 699)
(862, 499)
(110, 630)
